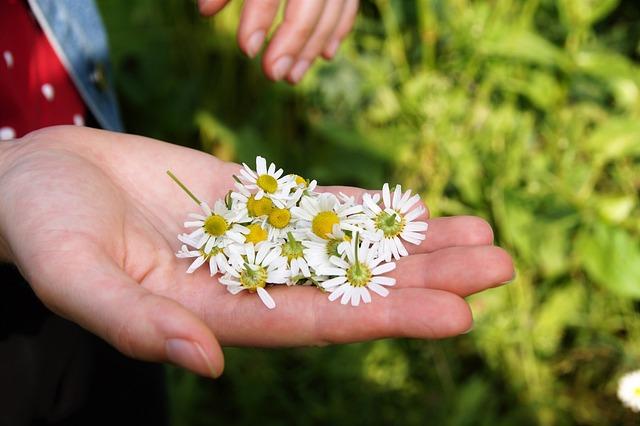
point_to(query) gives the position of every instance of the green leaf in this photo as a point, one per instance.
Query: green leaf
(615, 139)
(611, 257)
(525, 46)
(560, 310)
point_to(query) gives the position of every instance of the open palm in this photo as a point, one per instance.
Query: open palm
(91, 219)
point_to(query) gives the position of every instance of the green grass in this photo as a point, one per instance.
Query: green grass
(526, 113)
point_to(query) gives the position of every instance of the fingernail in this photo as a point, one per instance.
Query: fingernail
(255, 43)
(281, 67)
(298, 70)
(469, 330)
(332, 48)
(189, 355)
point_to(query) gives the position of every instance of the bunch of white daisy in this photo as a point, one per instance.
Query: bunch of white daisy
(277, 229)
(629, 390)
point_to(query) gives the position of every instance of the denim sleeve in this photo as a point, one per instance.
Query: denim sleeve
(76, 32)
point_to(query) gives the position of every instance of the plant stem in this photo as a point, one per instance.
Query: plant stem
(184, 188)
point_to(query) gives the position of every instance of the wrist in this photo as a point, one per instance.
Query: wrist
(6, 154)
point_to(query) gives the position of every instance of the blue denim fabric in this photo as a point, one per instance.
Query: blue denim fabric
(76, 32)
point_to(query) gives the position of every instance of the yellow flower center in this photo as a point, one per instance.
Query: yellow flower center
(260, 207)
(389, 224)
(256, 234)
(267, 183)
(636, 391)
(323, 223)
(215, 225)
(301, 181)
(279, 218)
(251, 278)
(358, 275)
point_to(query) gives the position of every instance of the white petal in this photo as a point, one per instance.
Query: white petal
(339, 262)
(251, 253)
(334, 282)
(235, 289)
(270, 257)
(401, 250)
(248, 174)
(213, 266)
(305, 268)
(377, 288)
(338, 292)
(409, 203)
(386, 196)
(294, 267)
(403, 200)
(205, 208)
(346, 296)
(266, 298)
(416, 226)
(193, 223)
(384, 281)
(364, 293)
(397, 194)
(368, 202)
(355, 297)
(413, 214)
(351, 211)
(327, 270)
(261, 165)
(384, 268)
(209, 246)
(262, 252)
(196, 264)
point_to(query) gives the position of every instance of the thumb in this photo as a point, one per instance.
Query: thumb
(140, 324)
(211, 7)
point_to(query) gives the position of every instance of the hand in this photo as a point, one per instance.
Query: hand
(91, 219)
(310, 28)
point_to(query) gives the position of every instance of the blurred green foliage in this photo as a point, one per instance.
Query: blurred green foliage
(526, 113)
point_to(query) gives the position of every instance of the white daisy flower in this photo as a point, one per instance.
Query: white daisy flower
(250, 207)
(394, 222)
(318, 251)
(629, 391)
(319, 215)
(293, 250)
(215, 227)
(252, 270)
(218, 261)
(280, 222)
(358, 273)
(267, 181)
(303, 187)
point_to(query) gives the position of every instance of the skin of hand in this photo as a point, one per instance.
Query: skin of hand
(90, 218)
(310, 28)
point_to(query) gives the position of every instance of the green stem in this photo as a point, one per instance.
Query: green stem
(184, 188)
(391, 220)
(357, 269)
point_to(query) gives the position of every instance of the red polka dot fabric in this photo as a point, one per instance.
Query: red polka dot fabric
(35, 88)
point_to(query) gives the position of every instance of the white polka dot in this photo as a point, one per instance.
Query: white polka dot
(48, 92)
(78, 120)
(7, 133)
(8, 58)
